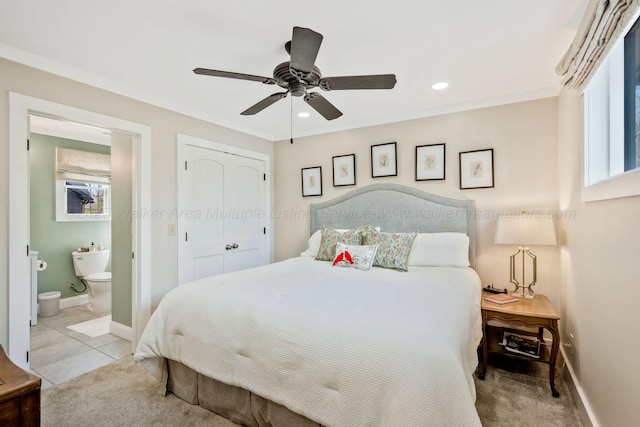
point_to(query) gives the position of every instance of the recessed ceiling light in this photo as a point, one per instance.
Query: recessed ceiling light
(440, 86)
(303, 114)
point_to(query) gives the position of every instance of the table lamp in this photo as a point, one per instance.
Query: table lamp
(525, 230)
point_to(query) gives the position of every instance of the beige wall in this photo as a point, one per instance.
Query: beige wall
(600, 255)
(523, 135)
(164, 126)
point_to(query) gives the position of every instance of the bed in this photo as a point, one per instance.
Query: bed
(304, 343)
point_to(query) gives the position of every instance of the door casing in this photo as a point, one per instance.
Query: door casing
(20, 107)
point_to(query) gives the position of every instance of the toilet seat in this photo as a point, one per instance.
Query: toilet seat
(99, 277)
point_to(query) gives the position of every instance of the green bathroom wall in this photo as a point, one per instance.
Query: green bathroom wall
(56, 240)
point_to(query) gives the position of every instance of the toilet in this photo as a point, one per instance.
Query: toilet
(91, 266)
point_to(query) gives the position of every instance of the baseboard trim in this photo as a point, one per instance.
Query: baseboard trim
(584, 409)
(74, 301)
(120, 330)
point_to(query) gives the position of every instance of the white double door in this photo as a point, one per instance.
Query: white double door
(222, 211)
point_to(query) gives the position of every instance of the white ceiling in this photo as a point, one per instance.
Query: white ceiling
(491, 52)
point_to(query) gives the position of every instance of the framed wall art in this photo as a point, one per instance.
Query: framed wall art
(312, 181)
(344, 170)
(476, 169)
(430, 162)
(384, 161)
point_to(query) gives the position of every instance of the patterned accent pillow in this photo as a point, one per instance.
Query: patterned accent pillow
(330, 237)
(393, 248)
(314, 243)
(360, 257)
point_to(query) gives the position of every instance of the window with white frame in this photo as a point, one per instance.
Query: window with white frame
(604, 119)
(82, 185)
(86, 198)
(612, 122)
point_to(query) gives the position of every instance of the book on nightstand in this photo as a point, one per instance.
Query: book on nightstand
(521, 344)
(501, 298)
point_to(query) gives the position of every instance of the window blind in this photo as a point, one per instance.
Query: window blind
(603, 24)
(82, 166)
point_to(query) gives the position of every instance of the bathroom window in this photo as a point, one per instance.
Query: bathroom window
(82, 185)
(82, 201)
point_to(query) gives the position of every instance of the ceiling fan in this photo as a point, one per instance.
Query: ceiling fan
(300, 74)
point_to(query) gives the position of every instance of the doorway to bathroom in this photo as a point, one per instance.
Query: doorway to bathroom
(70, 203)
(80, 209)
(134, 173)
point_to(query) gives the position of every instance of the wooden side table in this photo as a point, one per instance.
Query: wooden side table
(530, 313)
(19, 395)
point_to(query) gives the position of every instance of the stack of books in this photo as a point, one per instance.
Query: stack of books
(501, 298)
(521, 344)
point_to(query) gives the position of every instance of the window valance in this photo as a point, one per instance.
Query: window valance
(602, 25)
(83, 166)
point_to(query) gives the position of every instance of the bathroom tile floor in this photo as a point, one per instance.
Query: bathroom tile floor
(59, 354)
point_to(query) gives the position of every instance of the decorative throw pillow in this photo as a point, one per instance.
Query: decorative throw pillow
(330, 237)
(393, 248)
(360, 257)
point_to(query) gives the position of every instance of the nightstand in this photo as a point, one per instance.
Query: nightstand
(19, 395)
(524, 313)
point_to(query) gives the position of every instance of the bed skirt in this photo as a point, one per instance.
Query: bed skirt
(231, 402)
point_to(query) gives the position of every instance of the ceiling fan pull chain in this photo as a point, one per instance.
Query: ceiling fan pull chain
(291, 120)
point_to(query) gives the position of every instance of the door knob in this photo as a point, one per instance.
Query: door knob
(234, 246)
(228, 247)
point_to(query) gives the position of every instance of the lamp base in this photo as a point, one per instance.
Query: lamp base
(523, 293)
(521, 290)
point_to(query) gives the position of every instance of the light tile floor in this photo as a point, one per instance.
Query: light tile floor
(59, 354)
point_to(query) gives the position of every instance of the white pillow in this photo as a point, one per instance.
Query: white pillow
(355, 256)
(440, 250)
(316, 239)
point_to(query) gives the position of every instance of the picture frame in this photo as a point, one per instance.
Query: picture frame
(384, 161)
(430, 162)
(476, 169)
(344, 170)
(311, 181)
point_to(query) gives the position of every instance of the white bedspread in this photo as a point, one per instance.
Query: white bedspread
(340, 346)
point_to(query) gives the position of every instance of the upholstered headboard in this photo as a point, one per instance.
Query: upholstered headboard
(397, 208)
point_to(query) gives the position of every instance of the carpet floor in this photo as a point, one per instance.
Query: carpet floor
(514, 393)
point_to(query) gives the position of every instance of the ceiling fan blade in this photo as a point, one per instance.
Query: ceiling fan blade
(305, 45)
(269, 100)
(377, 81)
(322, 106)
(231, 75)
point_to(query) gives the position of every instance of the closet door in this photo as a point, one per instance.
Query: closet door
(222, 213)
(244, 224)
(204, 236)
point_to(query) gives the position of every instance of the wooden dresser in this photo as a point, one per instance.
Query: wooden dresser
(19, 395)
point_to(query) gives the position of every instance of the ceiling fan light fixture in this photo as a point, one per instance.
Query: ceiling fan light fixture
(440, 86)
(303, 114)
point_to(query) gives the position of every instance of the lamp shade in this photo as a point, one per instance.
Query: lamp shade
(525, 230)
